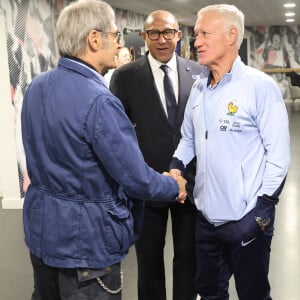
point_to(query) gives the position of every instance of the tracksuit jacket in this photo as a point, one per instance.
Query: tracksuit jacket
(238, 130)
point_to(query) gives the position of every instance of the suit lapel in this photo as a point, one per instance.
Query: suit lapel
(185, 82)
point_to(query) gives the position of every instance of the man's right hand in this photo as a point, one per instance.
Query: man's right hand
(182, 191)
(181, 184)
(175, 173)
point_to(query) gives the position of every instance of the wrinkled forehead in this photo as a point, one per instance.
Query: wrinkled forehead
(208, 21)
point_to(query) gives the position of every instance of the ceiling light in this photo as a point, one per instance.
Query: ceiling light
(289, 14)
(288, 5)
(290, 20)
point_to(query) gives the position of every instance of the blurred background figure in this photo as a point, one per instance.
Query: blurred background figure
(123, 57)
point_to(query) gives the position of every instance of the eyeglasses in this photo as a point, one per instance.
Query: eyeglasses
(116, 35)
(168, 34)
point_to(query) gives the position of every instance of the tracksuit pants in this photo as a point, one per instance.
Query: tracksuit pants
(238, 248)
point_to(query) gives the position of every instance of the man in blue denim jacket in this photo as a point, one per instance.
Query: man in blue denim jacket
(83, 208)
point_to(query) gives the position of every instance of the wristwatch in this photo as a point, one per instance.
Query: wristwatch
(262, 222)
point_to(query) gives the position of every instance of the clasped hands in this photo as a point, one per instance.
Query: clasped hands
(176, 174)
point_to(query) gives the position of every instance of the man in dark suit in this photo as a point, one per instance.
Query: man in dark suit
(140, 86)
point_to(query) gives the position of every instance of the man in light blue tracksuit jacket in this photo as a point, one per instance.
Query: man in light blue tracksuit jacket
(236, 124)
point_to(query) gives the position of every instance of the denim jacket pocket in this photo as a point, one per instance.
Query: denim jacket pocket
(118, 227)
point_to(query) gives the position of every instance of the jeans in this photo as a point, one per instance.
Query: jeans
(52, 283)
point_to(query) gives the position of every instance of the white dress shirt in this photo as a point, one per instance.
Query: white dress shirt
(158, 75)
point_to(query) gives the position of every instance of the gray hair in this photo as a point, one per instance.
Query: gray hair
(76, 21)
(233, 17)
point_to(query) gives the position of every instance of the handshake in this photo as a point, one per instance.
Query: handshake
(176, 174)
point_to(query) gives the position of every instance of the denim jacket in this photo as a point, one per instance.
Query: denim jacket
(87, 172)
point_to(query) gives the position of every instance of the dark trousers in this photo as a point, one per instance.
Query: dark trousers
(150, 252)
(240, 249)
(68, 284)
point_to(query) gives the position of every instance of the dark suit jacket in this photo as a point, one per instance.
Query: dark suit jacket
(134, 85)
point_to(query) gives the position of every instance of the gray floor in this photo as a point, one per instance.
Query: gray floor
(16, 274)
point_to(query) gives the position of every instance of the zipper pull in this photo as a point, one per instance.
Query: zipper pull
(206, 134)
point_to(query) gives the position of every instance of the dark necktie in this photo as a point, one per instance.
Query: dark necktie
(169, 95)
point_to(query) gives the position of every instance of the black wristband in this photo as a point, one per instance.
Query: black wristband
(177, 164)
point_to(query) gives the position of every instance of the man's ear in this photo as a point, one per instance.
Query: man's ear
(179, 35)
(232, 36)
(144, 35)
(94, 40)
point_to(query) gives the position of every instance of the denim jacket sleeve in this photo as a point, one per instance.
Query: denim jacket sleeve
(113, 140)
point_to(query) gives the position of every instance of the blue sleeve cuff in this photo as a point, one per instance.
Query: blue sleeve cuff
(177, 164)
